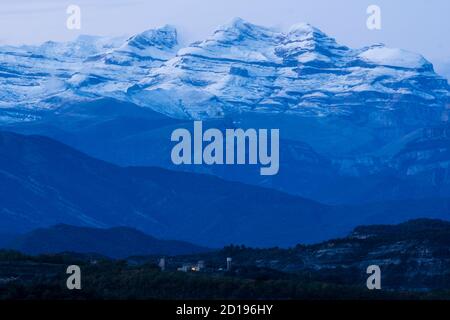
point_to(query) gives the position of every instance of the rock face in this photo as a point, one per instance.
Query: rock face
(412, 255)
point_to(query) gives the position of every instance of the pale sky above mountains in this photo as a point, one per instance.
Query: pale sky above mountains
(417, 25)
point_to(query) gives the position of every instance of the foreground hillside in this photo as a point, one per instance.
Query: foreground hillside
(414, 259)
(44, 277)
(413, 256)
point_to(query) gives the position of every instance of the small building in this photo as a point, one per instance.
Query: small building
(229, 263)
(201, 265)
(193, 267)
(162, 264)
(185, 268)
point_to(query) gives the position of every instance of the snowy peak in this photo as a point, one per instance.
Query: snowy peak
(53, 73)
(309, 37)
(162, 38)
(303, 31)
(82, 47)
(237, 40)
(112, 72)
(241, 30)
(306, 44)
(155, 44)
(382, 55)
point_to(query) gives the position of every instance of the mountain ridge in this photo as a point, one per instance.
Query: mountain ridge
(186, 206)
(43, 183)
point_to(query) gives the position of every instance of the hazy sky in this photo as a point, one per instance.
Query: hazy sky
(418, 25)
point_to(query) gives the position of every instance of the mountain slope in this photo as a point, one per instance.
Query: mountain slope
(412, 167)
(119, 242)
(44, 183)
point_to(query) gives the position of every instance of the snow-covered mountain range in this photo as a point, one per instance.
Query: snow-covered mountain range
(241, 67)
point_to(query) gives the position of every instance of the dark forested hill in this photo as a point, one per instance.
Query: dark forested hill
(119, 242)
